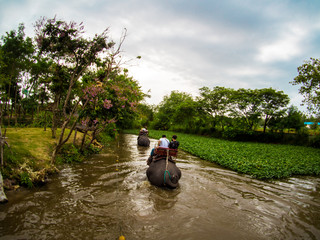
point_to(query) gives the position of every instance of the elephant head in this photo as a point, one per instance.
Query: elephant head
(161, 175)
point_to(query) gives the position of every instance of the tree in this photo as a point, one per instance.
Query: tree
(72, 56)
(294, 119)
(245, 106)
(16, 52)
(108, 100)
(309, 78)
(215, 103)
(273, 104)
(176, 110)
(145, 115)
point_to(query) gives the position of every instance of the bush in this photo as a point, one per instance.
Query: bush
(238, 135)
(69, 153)
(315, 142)
(42, 119)
(26, 180)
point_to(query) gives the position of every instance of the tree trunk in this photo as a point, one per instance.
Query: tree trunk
(93, 137)
(3, 197)
(83, 140)
(67, 118)
(45, 120)
(8, 102)
(63, 140)
(19, 113)
(55, 106)
(15, 106)
(75, 137)
(265, 124)
(53, 127)
(1, 113)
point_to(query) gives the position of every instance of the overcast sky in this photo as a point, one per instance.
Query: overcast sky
(189, 44)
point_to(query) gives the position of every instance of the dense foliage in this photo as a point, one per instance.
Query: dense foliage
(229, 113)
(69, 81)
(309, 78)
(262, 161)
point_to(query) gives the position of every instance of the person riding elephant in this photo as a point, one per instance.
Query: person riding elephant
(174, 144)
(143, 139)
(162, 169)
(162, 142)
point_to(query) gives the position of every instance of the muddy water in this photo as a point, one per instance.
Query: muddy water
(109, 195)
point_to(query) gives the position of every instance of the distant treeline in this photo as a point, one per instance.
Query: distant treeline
(261, 115)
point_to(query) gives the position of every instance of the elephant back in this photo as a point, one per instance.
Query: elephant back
(163, 174)
(143, 140)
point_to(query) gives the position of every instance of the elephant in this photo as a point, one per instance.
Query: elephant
(143, 140)
(159, 176)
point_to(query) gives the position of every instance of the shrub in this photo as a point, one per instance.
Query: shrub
(69, 153)
(315, 142)
(26, 180)
(42, 119)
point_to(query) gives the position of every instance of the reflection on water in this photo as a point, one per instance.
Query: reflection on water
(109, 195)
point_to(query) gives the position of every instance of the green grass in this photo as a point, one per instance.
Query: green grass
(261, 161)
(28, 160)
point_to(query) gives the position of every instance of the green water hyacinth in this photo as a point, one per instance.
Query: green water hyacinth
(261, 161)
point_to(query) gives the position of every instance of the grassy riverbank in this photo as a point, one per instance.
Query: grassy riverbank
(27, 161)
(261, 161)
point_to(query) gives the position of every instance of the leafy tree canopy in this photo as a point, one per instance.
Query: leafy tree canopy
(309, 78)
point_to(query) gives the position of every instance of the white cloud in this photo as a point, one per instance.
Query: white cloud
(187, 46)
(289, 44)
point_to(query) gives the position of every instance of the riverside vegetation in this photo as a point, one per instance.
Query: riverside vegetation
(28, 160)
(259, 160)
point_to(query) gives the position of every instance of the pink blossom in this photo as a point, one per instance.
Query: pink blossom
(132, 104)
(107, 104)
(85, 122)
(111, 121)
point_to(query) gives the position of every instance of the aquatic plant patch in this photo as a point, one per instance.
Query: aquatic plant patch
(261, 161)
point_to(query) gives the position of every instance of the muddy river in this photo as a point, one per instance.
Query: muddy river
(109, 195)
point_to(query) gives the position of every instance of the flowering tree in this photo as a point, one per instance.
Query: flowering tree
(104, 96)
(108, 101)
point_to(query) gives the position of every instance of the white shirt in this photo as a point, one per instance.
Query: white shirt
(164, 142)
